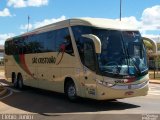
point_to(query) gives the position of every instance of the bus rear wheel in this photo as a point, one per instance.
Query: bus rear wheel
(20, 81)
(14, 80)
(70, 91)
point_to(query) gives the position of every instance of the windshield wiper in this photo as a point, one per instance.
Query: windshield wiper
(134, 63)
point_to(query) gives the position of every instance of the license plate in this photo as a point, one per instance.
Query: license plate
(129, 93)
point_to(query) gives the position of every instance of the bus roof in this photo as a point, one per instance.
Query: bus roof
(96, 22)
(103, 23)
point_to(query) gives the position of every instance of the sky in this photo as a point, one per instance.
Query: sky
(144, 14)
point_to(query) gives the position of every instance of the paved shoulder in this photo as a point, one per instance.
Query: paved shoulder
(154, 90)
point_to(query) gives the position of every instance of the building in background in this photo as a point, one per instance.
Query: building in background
(153, 51)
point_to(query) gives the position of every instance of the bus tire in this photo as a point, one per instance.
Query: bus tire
(70, 91)
(13, 77)
(20, 81)
(14, 80)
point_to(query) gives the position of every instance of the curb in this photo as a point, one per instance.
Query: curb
(154, 82)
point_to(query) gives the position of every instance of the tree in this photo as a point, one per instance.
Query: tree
(149, 47)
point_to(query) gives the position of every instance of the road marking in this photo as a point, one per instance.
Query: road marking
(14, 90)
(10, 93)
(4, 84)
(8, 87)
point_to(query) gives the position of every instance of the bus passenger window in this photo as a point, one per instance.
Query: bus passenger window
(63, 39)
(68, 45)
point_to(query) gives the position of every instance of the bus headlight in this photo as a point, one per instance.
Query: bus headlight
(106, 84)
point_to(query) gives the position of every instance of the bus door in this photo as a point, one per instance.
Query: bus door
(89, 74)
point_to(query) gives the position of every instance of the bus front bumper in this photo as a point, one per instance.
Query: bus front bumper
(107, 93)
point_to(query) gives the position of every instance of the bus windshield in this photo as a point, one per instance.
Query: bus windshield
(122, 54)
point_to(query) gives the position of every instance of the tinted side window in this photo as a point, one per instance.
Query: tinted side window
(31, 44)
(51, 41)
(85, 46)
(63, 39)
(41, 39)
(15, 47)
(78, 31)
(46, 42)
(8, 47)
(50, 44)
(20, 45)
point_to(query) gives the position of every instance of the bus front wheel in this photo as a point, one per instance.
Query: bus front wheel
(70, 91)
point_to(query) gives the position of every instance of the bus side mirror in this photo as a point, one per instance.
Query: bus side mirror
(96, 40)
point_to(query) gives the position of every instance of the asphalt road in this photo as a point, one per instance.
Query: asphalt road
(49, 105)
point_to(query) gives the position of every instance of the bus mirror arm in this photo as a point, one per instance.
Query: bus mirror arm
(96, 40)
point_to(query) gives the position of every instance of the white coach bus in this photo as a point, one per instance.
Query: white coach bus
(89, 57)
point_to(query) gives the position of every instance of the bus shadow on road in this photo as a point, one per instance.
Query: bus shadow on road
(41, 102)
